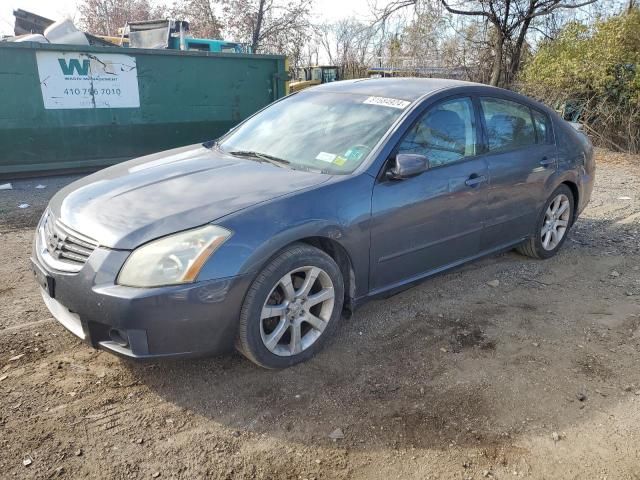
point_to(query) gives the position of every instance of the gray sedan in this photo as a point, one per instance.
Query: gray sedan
(323, 200)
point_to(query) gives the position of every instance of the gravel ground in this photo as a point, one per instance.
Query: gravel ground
(32, 194)
(536, 377)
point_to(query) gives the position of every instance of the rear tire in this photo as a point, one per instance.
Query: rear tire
(292, 308)
(552, 227)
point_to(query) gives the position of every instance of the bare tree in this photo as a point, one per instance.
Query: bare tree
(348, 44)
(425, 37)
(309, 55)
(266, 24)
(201, 15)
(468, 47)
(105, 17)
(510, 19)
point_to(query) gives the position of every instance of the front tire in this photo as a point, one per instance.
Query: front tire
(552, 226)
(292, 307)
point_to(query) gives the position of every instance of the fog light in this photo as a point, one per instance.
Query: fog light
(119, 337)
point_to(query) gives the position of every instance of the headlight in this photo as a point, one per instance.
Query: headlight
(171, 260)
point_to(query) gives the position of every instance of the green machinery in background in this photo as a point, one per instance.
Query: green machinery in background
(80, 107)
(306, 77)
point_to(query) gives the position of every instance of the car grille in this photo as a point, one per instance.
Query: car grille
(66, 249)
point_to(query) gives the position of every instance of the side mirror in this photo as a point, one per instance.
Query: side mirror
(408, 165)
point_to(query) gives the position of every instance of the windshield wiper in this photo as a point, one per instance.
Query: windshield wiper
(260, 156)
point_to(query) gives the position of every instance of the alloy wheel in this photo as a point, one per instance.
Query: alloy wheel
(297, 311)
(556, 222)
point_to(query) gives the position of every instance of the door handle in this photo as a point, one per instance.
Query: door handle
(474, 180)
(546, 161)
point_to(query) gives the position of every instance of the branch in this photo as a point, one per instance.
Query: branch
(558, 6)
(506, 12)
(465, 12)
(545, 34)
(393, 7)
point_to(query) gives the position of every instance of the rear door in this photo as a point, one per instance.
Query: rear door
(521, 157)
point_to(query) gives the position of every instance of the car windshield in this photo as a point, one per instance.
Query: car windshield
(320, 131)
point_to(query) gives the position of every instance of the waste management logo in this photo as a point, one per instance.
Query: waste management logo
(73, 64)
(71, 80)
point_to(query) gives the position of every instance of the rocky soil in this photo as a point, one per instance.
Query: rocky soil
(506, 368)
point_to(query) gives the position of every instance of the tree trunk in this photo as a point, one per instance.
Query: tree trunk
(255, 41)
(497, 60)
(517, 50)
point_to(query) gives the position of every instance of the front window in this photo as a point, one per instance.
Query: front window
(445, 134)
(316, 74)
(329, 75)
(318, 131)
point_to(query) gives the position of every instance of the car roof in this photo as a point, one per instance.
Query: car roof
(409, 89)
(412, 89)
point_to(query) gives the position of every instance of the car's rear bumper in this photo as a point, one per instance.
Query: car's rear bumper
(186, 320)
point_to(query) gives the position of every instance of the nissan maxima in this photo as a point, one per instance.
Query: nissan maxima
(262, 238)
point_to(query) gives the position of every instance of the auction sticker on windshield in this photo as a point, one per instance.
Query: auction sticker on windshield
(325, 157)
(387, 102)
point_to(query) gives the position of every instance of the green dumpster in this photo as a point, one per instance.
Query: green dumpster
(69, 107)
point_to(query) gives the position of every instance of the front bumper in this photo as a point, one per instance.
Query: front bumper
(185, 320)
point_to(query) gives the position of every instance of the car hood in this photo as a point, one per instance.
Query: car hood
(136, 201)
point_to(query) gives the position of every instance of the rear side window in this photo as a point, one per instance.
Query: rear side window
(543, 127)
(509, 124)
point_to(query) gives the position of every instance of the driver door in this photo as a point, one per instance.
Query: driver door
(434, 220)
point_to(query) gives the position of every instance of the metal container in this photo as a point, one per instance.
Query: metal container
(68, 107)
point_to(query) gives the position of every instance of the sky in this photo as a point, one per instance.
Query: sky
(325, 10)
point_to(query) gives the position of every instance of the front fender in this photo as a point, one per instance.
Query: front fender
(339, 211)
(255, 259)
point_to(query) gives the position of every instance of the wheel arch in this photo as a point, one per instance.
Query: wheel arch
(576, 197)
(331, 247)
(569, 179)
(341, 256)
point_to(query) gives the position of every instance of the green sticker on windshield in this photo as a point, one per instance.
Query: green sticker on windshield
(354, 154)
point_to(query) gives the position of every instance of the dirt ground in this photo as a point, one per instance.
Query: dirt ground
(537, 377)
